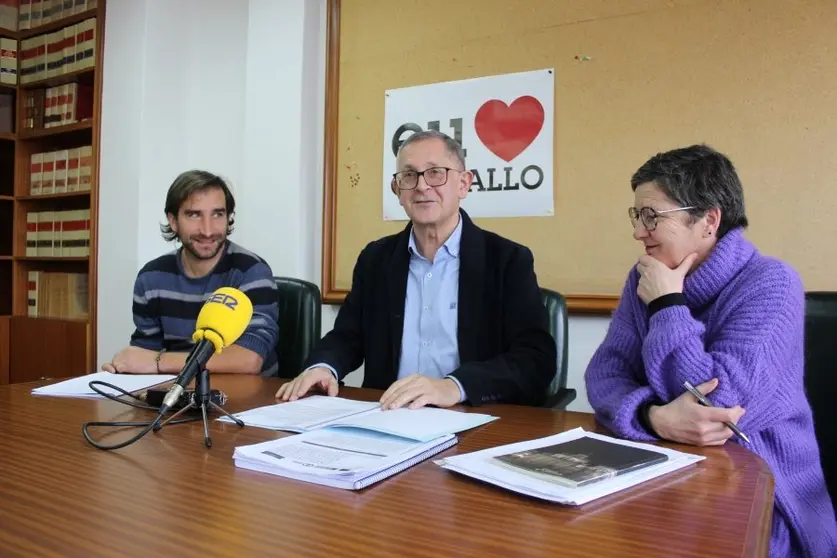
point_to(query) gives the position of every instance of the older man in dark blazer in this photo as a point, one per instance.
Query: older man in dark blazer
(442, 312)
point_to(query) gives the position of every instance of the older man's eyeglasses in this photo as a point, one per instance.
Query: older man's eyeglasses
(434, 176)
(649, 216)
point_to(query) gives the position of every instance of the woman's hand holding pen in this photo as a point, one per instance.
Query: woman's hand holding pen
(686, 421)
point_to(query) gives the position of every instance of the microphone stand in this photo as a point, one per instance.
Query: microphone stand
(201, 397)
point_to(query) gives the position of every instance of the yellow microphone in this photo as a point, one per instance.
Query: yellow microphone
(222, 320)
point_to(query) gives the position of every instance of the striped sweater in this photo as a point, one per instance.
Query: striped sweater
(167, 302)
(743, 323)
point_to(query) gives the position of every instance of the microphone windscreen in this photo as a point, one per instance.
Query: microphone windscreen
(223, 317)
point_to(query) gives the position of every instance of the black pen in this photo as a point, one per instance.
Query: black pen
(706, 403)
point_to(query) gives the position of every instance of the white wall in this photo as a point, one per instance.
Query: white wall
(241, 94)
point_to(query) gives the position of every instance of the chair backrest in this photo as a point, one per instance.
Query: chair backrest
(821, 378)
(556, 307)
(300, 318)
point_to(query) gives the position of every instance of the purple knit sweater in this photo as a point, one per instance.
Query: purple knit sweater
(743, 324)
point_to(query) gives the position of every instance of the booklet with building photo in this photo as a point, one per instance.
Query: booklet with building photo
(582, 461)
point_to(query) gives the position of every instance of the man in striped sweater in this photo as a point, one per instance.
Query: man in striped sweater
(170, 290)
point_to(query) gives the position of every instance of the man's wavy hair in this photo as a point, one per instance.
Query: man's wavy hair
(187, 183)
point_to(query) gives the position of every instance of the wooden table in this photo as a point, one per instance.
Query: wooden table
(167, 495)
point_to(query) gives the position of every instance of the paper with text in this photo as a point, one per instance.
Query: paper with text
(343, 458)
(80, 386)
(320, 411)
(326, 452)
(422, 424)
(303, 414)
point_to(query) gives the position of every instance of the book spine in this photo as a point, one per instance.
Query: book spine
(69, 50)
(24, 13)
(60, 178)
(32, 294)
(48, 173)
(32, 233)
(36, 174)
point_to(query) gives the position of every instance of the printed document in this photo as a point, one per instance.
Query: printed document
(345, 458)
(320, 411)
(80, 386)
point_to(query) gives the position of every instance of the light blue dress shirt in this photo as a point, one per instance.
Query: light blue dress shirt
(428, 343)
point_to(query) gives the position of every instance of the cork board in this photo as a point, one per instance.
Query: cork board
(755, 79)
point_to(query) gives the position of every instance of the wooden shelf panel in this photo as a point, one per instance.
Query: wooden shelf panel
(5, 320)
(54, 25)
(6, 233)
(81, 76)
(52, 258)
(79, 194)
(73, 339)
(53, 319)
(67, 354)
(86, 125)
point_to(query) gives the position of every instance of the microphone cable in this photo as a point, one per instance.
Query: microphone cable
(124, 424)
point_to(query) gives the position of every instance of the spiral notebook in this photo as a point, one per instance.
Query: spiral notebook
(345, 458)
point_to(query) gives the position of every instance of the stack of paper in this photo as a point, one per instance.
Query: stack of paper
(340, 458)
(303, 414)
(319, 411)
(484, 465)
(80, 386)
(349, 444)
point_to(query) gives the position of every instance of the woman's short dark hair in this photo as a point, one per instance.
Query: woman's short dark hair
(195, 181)
(697, 176)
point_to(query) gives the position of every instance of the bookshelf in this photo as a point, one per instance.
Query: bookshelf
(49, 149)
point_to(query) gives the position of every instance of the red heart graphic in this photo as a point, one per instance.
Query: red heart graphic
(508, 130)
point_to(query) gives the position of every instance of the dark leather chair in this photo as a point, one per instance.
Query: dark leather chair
(559, 395)
(821, 378)
(300, 317)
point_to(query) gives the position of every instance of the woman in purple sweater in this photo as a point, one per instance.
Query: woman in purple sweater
(703, 305)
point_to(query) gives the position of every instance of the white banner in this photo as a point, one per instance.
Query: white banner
(505, 125)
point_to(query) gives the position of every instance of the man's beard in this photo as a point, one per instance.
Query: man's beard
(189, 245)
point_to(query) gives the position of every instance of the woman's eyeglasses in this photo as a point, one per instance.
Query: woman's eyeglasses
(649, 216)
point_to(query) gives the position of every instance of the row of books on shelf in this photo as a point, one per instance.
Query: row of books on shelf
(58, 172)
(57, 106)
(57, 295)
(53, 54)
(58, 234)
(30, 14)
(70, 49)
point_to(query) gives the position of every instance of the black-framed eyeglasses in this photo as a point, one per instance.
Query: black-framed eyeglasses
(649, 216)
(434, 176)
